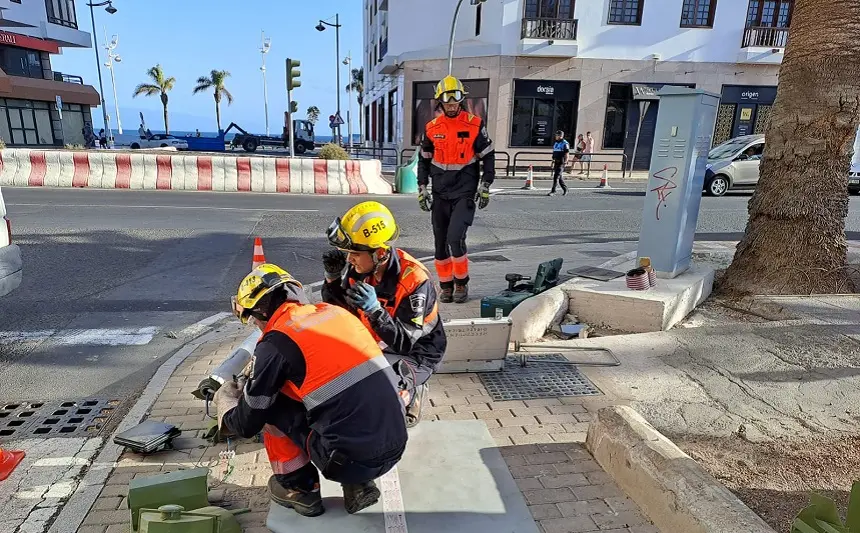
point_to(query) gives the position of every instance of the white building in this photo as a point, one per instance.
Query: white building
(30, 32)
(534, 66)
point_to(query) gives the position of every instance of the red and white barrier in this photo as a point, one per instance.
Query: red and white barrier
(147, 171)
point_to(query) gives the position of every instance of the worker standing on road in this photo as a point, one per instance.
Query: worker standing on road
(455, 149)
(560, 153)
(391, 292)
(322, 390)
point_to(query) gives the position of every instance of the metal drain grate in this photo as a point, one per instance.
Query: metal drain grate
(540, 379)
(487, 258)
(55, 419)
(600, 253)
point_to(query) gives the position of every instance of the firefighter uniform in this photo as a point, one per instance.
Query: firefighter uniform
(456, 156)
(323, 394)
(398, 302)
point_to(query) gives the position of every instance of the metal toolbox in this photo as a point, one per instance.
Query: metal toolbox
(476, 345)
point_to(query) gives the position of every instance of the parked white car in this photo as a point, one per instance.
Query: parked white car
(734, 164)
(159, 140)
(11, 265)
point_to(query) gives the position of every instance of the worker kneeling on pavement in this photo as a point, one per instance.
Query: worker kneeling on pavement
(320, 390)
(391, 292)
(457, 155)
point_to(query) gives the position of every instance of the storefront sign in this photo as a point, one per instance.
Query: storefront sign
(734, 94)
(644, 92)
(24, 41)
(561, 90)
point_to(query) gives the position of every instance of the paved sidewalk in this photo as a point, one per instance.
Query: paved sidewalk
(541, 441)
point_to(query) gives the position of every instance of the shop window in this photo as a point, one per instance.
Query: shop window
(540, 108)
(20, 62)
(625, 11)
(380, 135)
(392, 112)
(367, 122)
(425, 107)
(21, 124)
(698, 13)
(615, 123)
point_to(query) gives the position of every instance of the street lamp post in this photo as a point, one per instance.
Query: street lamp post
(111, 10)
(321, 27)
(112, 57)
(453, 29)
(348, 62)
(264, 49)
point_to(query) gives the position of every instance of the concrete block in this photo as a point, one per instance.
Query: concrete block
(672, 489)
(532, 317)
(612, 305)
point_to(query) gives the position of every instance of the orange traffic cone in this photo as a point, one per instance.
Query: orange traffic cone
(530, 180)
(604, 179)
(259, 256)
(8, 461)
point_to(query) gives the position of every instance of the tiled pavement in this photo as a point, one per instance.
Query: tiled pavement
(541, 440)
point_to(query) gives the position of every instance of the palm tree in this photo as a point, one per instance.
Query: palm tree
(357, 85)
(215, 81)
(795, 237)
(313, 114)
(159, 86)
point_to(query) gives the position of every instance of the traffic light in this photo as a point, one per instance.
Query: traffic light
(294, 107)
(293, 74)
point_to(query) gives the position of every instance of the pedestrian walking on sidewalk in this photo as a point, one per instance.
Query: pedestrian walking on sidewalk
(321, 391)
(577, 154)
(589, 150)
(458, 156)
(560, 154)
(391, 292)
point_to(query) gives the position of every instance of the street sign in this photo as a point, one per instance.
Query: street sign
(60, 106)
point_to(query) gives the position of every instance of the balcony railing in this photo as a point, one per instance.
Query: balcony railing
(68, 78)
(765, 36)
(549, 28)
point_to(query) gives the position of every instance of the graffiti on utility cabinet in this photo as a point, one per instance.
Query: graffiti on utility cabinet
(665, 189)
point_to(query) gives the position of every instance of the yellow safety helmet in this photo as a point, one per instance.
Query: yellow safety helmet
(261, 281)
(366, 227)
(450, 89)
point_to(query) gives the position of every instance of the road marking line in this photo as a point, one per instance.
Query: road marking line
(199, 327)
(392, 503)
(590, 211)
(86, 337)
(199, 207)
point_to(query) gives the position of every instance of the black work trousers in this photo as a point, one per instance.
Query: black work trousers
(451, 220)
(558, 176)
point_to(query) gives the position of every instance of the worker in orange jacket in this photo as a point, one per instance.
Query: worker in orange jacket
(321, 391)
(458, 157)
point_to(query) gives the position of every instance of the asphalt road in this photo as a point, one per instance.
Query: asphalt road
(111, 276)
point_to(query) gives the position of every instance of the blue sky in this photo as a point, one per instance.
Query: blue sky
(192, 37)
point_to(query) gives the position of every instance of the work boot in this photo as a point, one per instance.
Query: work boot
(359, 496)
(413, 411)
(461, 293)
(304, 502)
(446, 293)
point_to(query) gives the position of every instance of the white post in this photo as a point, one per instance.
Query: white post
(348, 62)
(264, 49)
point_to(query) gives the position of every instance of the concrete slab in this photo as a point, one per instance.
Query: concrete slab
(452, 477)
(612, 305)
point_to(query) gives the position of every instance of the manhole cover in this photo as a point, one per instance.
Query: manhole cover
(55, 419)
(600, 274)
(539, 379)
(487, 258)
(600, 253)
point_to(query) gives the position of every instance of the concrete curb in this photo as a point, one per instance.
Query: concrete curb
(674, 492)
(76, 508)
(535, 315)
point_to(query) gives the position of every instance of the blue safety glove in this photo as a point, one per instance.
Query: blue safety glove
(425, 198)
(483, 195)
(363, 296)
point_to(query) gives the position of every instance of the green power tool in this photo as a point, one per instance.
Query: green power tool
(546, 277)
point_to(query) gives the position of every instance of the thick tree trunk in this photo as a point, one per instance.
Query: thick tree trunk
(795, 238)
(218, 115)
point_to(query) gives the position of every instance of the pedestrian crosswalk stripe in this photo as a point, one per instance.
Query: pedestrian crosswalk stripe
(83, 337)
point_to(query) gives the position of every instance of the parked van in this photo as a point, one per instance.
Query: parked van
(10, 254)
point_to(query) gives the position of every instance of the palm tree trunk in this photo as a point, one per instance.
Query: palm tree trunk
(795, 237)
(218, 114)
(361, 124)
(166, 121)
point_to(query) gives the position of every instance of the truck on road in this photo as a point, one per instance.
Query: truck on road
(303, 129)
